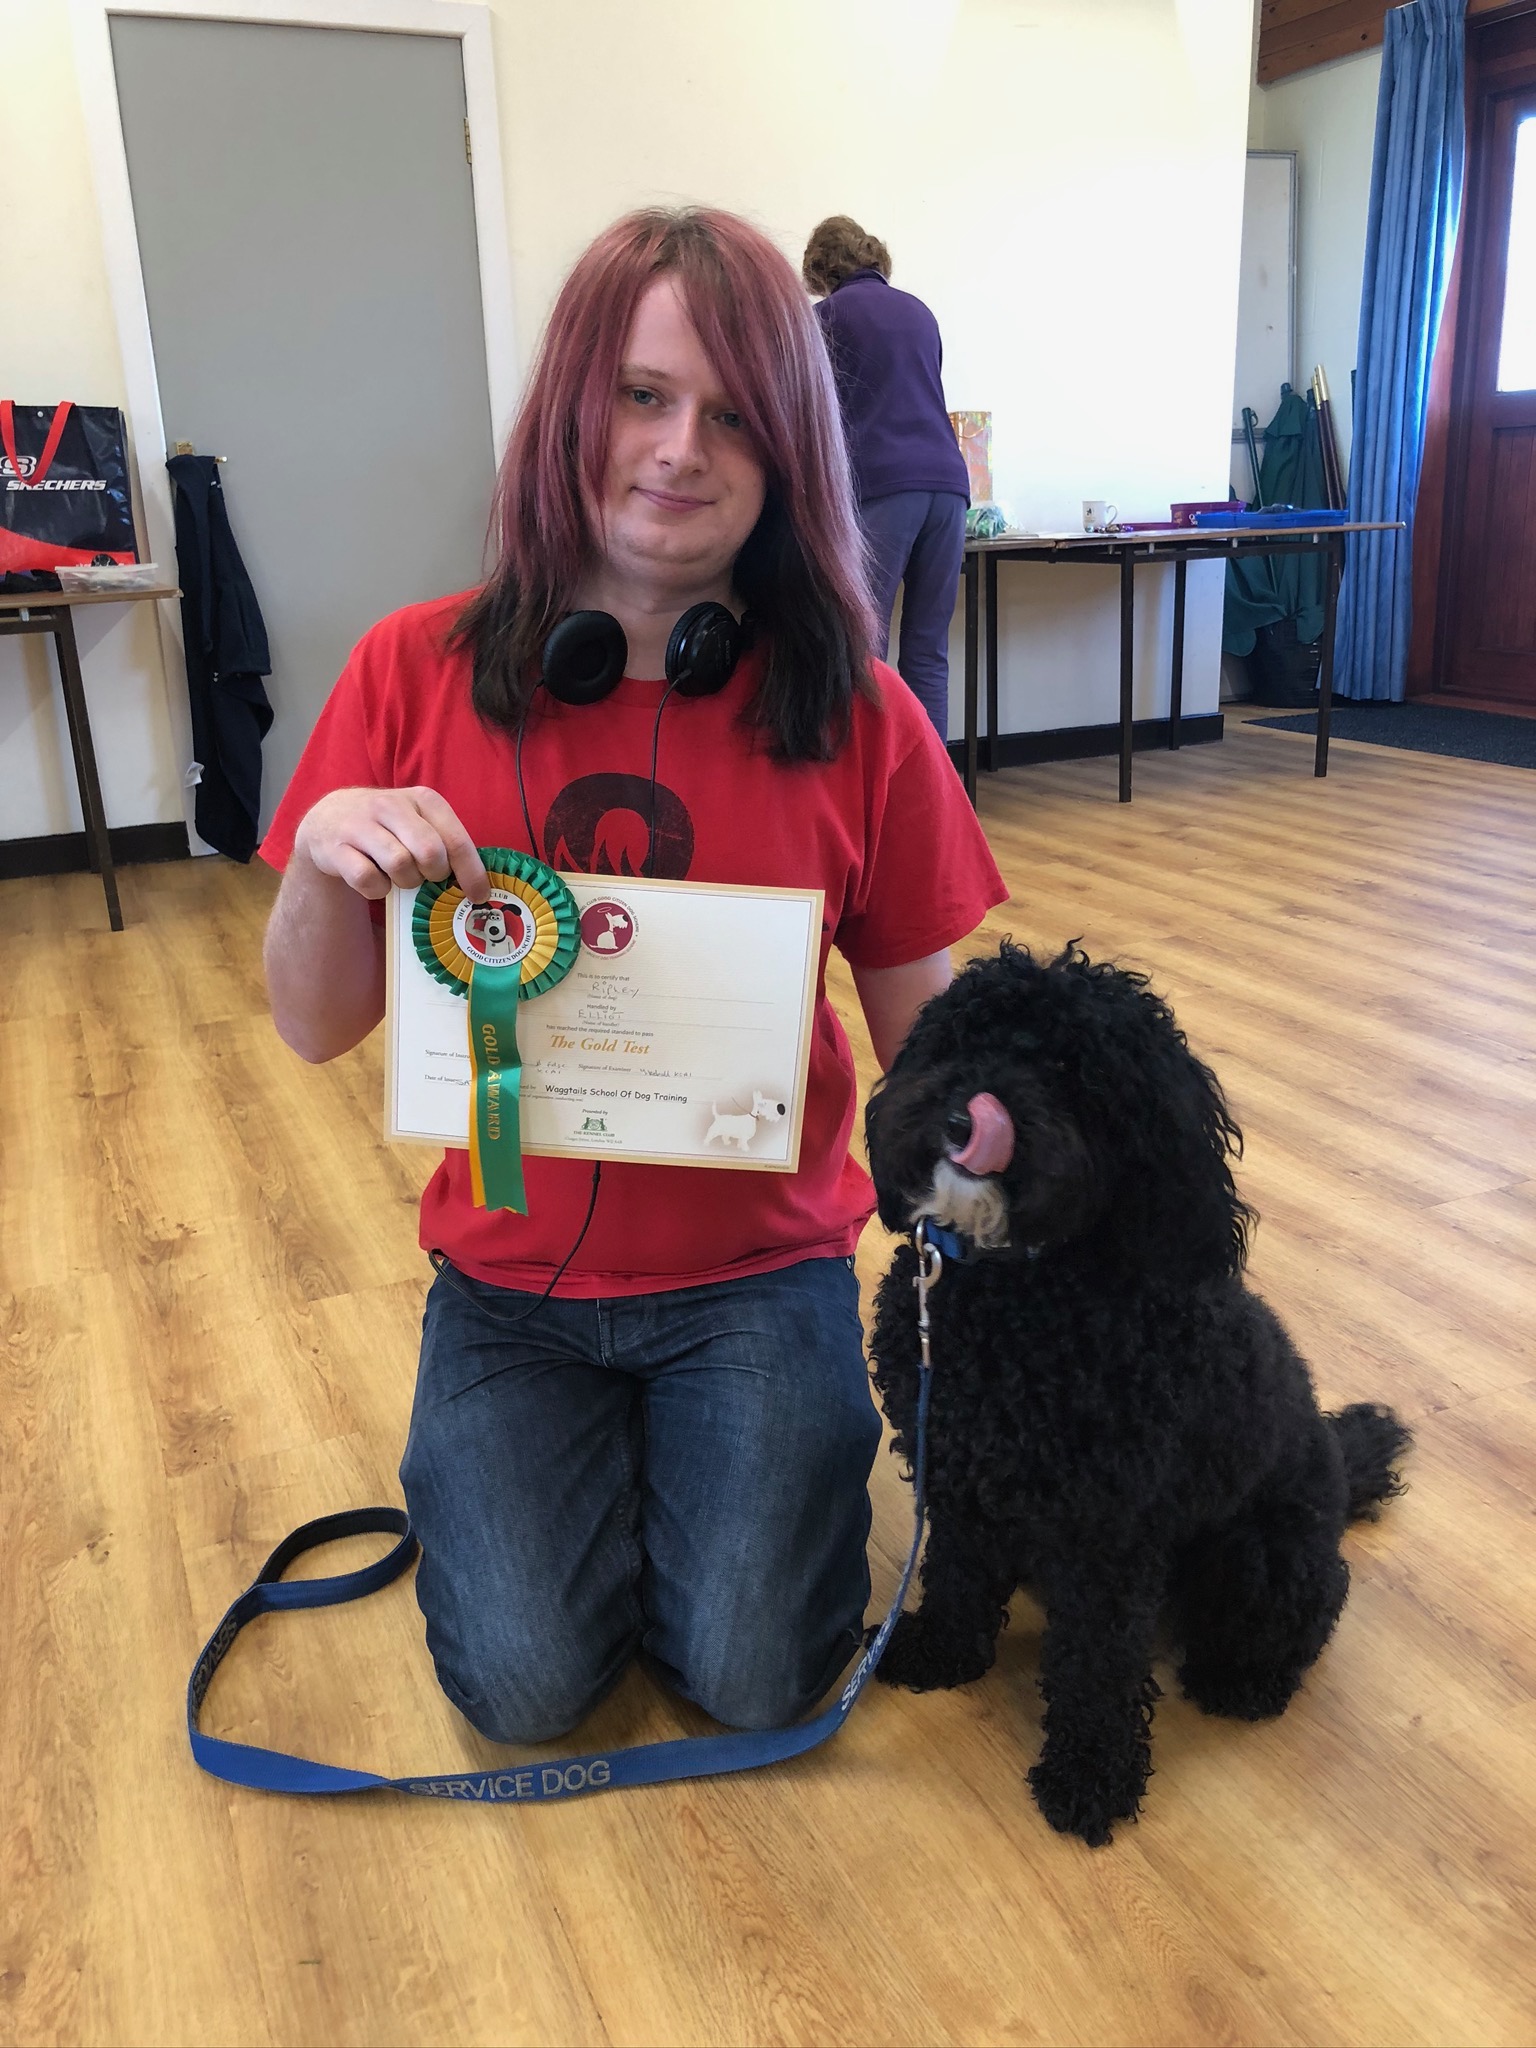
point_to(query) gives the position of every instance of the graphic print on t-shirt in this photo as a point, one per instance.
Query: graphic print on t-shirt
(600, 825)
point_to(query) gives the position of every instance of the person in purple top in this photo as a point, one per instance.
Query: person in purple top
(910, 476)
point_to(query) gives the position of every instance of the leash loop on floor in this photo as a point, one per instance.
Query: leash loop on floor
(652, 1763)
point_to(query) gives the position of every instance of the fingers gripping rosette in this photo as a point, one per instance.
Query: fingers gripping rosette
(516, 943)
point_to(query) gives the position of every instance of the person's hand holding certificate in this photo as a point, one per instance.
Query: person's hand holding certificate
(680, 1035)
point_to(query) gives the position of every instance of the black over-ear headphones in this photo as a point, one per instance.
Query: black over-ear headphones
(586, 654)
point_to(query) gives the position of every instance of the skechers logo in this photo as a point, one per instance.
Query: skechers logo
(52, 483)
(555, 1781)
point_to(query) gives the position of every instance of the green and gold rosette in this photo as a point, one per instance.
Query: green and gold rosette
(516, 943)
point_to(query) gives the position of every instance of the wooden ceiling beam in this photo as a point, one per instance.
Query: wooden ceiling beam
(1295, 35)
(1284, 23)
(1298, 35)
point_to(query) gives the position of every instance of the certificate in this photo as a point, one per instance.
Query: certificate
(681, 1036)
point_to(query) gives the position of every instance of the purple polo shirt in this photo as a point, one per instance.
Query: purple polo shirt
(887, 358)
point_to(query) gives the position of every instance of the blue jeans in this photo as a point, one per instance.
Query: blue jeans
(681, 1474)
(917, 539)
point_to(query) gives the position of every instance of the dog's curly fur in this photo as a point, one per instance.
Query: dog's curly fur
(1116, 1422)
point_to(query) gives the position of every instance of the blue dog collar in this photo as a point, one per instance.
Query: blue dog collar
(959, 1251)
(956, 1251)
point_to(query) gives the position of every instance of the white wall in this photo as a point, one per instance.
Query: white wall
(1007, 151)
(57, 340)
(1060, 179)
(1328, 117)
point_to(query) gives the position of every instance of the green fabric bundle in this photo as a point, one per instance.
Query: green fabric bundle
(1263, 589)
(985, 522)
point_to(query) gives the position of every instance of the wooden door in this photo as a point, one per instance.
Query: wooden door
(1489, 643)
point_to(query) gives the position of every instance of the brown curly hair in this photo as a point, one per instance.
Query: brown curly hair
(837, 248)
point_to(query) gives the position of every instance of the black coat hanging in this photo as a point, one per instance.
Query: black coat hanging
(226, 647)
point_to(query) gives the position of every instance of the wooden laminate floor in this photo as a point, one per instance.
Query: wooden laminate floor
(209, 1292)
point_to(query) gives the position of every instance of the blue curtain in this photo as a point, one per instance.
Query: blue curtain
(1410, 238)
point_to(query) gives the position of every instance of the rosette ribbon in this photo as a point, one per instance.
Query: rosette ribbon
(521, 940)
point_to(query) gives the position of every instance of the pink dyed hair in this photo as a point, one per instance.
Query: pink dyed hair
(801, 572)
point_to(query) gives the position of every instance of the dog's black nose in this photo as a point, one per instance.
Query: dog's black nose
(957, 1127)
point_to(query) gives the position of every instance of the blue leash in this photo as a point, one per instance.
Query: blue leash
(653, 1763)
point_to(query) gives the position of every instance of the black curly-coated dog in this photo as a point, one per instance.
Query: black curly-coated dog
(1116, 1423)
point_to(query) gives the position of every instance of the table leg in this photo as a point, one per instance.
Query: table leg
(1127, 623)
(1176, 685)
(73, 723)
(991, 664)
(970, 676)
(85, 764)
(1325, 669)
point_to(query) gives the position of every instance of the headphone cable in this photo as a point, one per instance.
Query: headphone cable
(522, 788)
(444, 1270)
(649, 869)
(439, 1259)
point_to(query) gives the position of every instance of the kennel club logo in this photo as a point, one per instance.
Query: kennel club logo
(498, 932)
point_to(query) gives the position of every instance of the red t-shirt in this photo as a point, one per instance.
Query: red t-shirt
(885, 830)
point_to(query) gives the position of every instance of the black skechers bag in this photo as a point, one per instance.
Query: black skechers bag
(64, 494)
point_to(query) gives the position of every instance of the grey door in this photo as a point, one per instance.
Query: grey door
(307, 232)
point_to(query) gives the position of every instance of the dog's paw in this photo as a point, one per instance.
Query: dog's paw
(1238, 1693)
(1079, 1797)
(925, 1657)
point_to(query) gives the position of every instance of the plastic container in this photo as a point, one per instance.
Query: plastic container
(1273, 515)
(84, 576)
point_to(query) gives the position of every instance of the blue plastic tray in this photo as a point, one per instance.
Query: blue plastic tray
(1277, 515)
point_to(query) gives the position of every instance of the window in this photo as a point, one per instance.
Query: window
(1517, 343)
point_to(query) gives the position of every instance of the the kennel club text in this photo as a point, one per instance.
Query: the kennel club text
(681, 1034)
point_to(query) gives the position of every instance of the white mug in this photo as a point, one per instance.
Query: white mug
(1099, 515)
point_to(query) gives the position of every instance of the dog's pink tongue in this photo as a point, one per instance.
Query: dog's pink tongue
(990, 1145)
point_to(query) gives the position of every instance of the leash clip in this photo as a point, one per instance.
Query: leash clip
(930, 1264)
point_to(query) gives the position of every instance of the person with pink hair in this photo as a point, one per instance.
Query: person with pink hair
(642, 1422)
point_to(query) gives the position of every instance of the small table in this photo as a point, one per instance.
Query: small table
(1180, 545)
(49, 611)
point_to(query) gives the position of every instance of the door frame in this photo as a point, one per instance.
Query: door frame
(1502, 77)
(1490, 69)
(469, 22)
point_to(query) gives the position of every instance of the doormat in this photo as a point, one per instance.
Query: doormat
(1426, 729)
